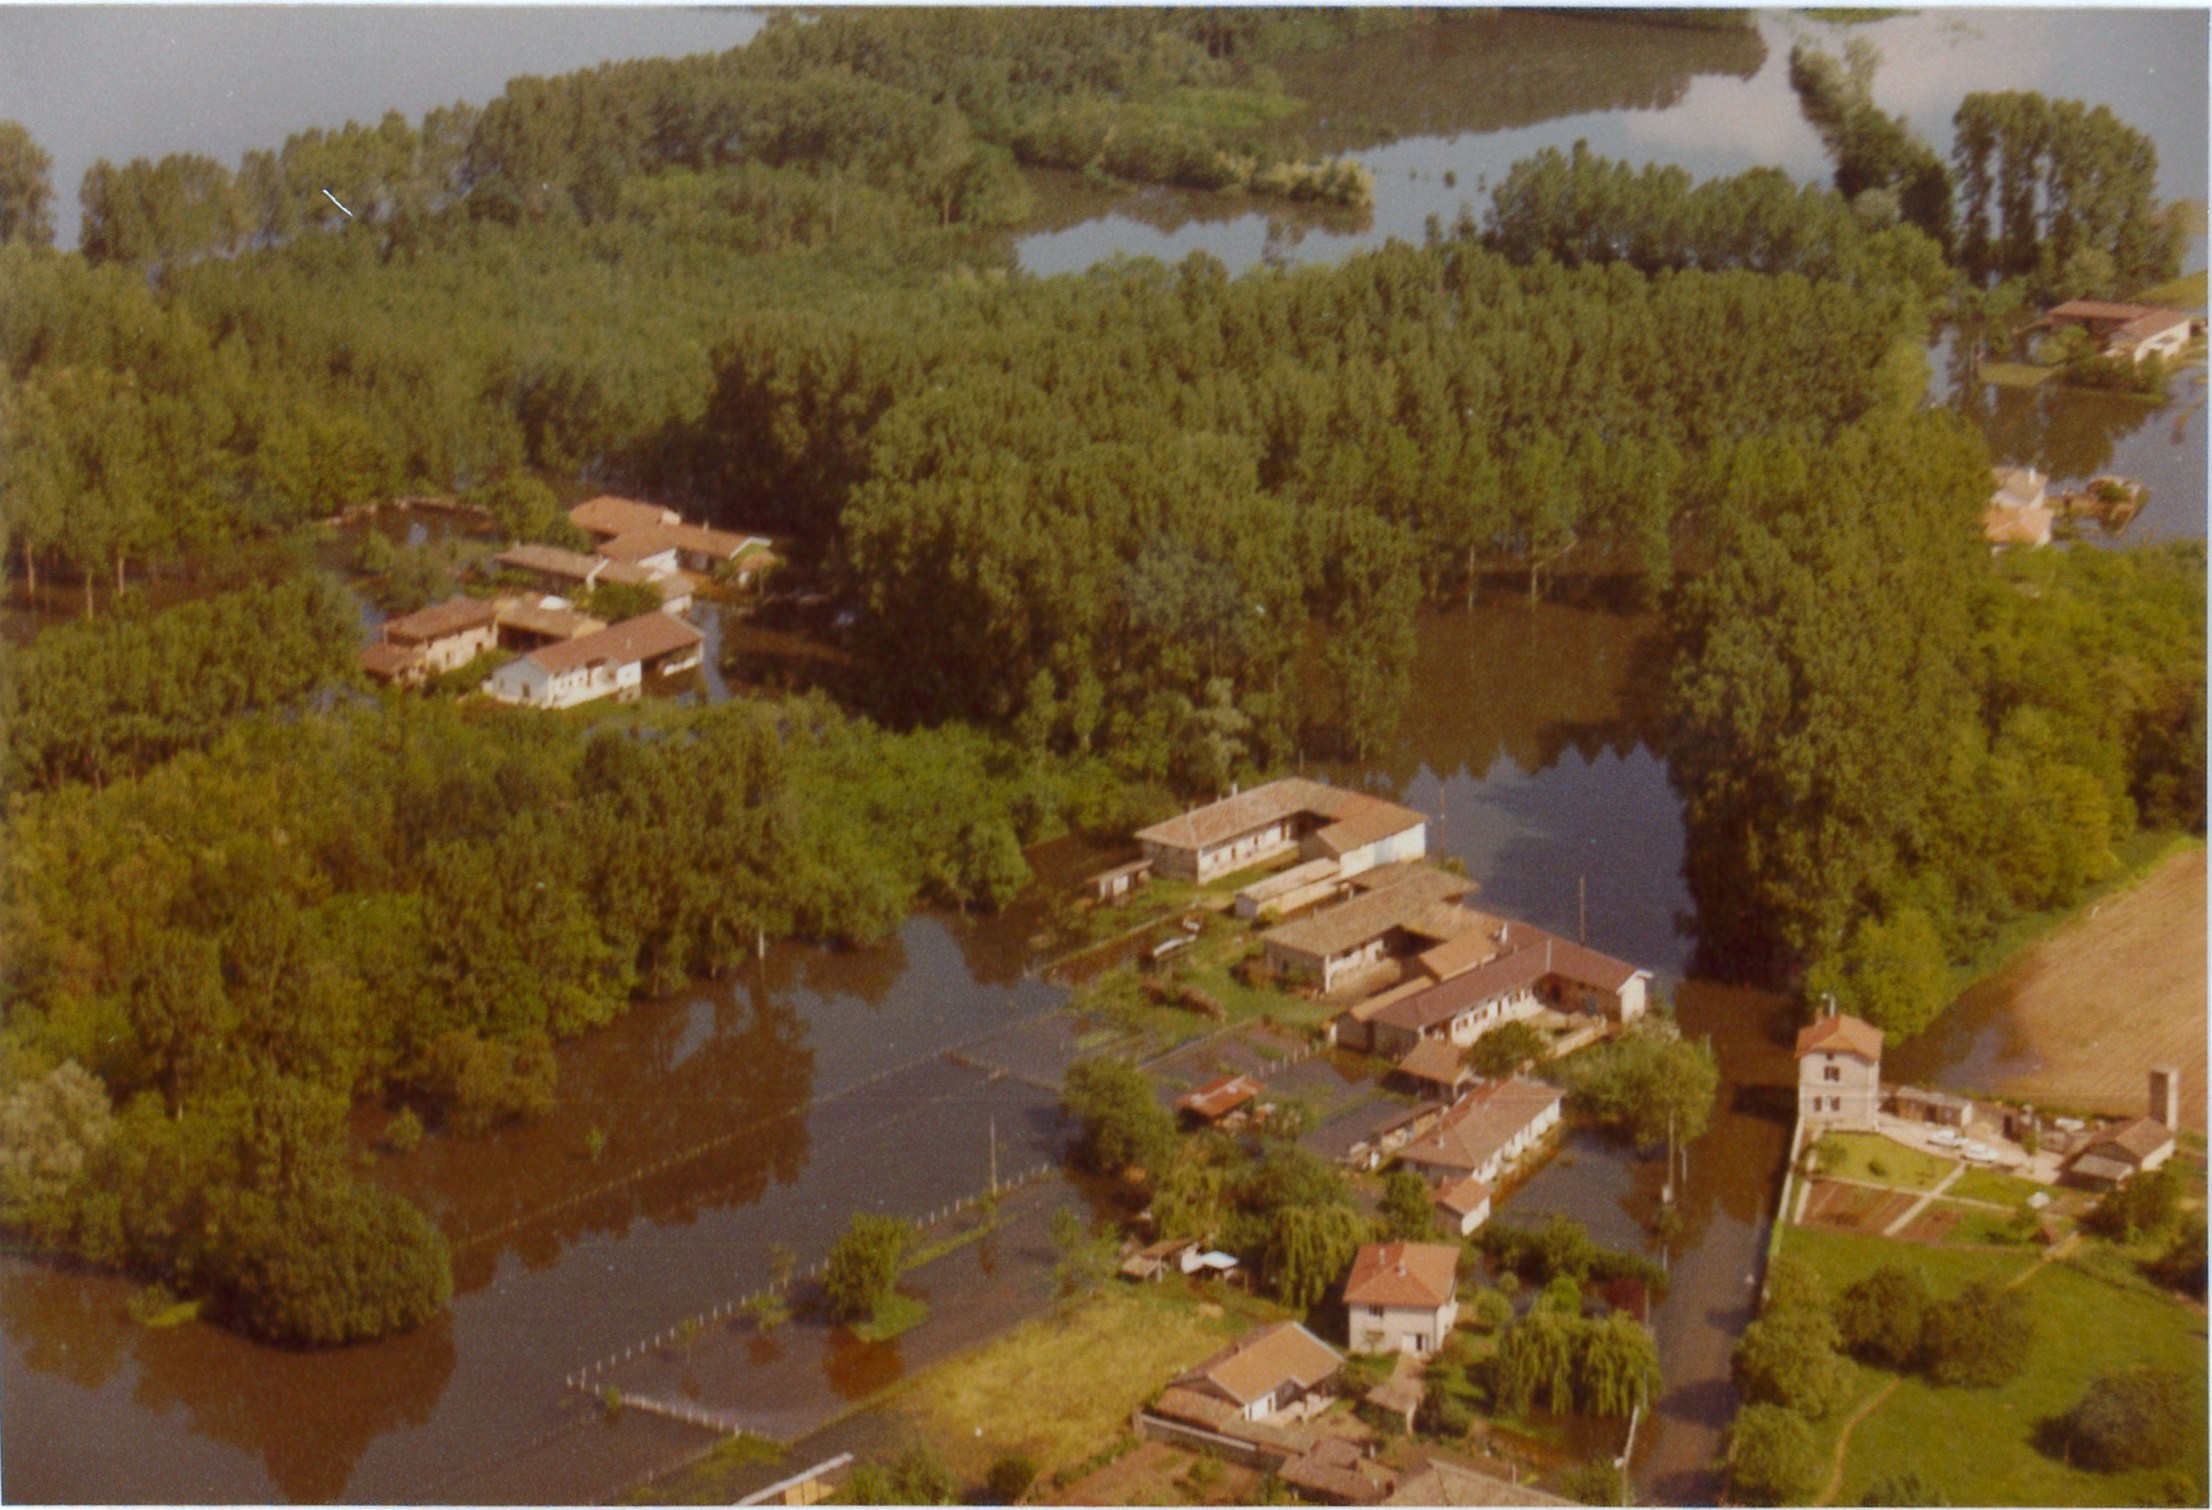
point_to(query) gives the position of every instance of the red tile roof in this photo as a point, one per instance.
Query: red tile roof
(644, 638)
(1348, 925)
(1463, 1196)
(1217, 823)
(453, 616)
(2137, 1139)
(1841, 1033)
(1218, 1098)
(1403, 1274)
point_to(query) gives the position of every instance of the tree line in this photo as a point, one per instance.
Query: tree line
(2056, 193)
(408, 901)
(1886, 746)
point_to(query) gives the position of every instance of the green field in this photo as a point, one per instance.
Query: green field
(2002, 1189)
(1853, 1156)
(2016, 374)
(2184, 292)
(1974, 1445)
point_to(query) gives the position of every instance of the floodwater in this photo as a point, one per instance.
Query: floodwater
(131, 81)
(766, 1107)
(761, 1109)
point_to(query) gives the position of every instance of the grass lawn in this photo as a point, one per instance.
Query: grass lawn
(900, 1313)
(1976, 1446)
(2016, 374)
(2004, 1189)
(2184, 292)
(1060, 1388)
(1855, 1156)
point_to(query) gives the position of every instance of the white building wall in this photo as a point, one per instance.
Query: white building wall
(1400, 1329)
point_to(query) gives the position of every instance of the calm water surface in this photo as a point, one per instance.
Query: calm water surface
(748, 1111)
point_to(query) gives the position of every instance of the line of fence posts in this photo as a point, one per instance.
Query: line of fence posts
(581, 1379)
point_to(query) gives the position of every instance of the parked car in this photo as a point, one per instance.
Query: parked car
(1945, 1137)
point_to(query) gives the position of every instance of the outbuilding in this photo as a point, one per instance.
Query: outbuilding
(612, 663)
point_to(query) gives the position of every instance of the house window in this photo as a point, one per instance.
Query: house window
(1831, 1074)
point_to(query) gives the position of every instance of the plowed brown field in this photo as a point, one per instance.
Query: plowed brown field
(2110, 995)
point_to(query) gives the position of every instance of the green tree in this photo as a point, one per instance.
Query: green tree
(2181, 1266)
(26, 188)
(1505, 1050)
(1307, 1249)
(2143, 1205)
(50, 1128)
(1618, 1370)
(1980, 1337)
(2138, 1417)
(865, 1263)
(1406, 1211)
(1123, 1126)
(1788, 1358)
(1893, 972)
(1883, 1317)
(1771, 1457)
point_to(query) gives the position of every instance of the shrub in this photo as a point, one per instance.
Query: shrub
(864, 1266)
(2135, 1418)
(1444, 1415)
(1010, 1478)
(1505, 1049)
(1492, 1311)
(1789, 1358)
(1594, 1483)
(403, 1133)
(2144, 1205)
(1981, 1337)
(1771, 1458)
(1882, 1317)
(2181, 1266)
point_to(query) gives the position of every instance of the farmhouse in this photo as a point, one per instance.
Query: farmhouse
(1401, 1297)
(2018, 511)
(562, 571)
(612, 663)
(2127, 332)
(433, 640)
(1493, 972)
(1401, 909)
(1839, 1072)
(531, 623)
(1310, 819)
(1279, 1370)
(605, 517)
(680, 547)
(1482, 1136)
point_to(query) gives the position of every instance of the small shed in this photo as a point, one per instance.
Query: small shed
(1116, 884)
(1912, 1103)
(1217, 1099)
(1435, 1067)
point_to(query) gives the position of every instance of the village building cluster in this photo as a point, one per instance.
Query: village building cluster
(1840, 1086)
(562, 655)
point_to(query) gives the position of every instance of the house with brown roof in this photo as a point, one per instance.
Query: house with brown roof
(2125, 332)
(2018, 512)
(2117, 1153)
(1402, 1297)
(531, 623)
(569, 572)
(605, 517)
(1490, 1129)
(1434, 1067)
(1497, 971)
(1334, 1471)
(1398, 911)
(1276, 1371)
(612, 663)
(1839, 1072)
(1464, 1204)
(1217, 1099)
(1292, 816)
(416, 646)
(1444, 1481)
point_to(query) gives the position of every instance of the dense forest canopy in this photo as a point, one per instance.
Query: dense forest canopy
(1141, 528)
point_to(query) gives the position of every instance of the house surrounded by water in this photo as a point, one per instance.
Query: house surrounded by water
(1352, 831)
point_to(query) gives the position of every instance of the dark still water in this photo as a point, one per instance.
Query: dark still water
(763, 1110)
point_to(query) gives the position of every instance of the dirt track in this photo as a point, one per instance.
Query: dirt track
(2109, 995)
